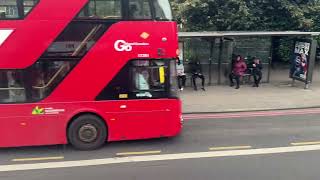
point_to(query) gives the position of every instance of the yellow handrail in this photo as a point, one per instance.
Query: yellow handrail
(12, 88)
(88, 37)
(52, 79)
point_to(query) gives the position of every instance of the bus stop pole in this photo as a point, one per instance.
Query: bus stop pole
(311, 62)
(270, 60)
(220, 59)
(210, 60)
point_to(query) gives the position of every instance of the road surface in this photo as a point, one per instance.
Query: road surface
(249, 146)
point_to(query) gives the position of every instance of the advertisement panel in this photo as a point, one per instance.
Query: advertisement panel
(301, 60)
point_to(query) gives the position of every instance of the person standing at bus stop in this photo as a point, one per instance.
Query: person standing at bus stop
(238, 69)
(181, 75)
(257, 72)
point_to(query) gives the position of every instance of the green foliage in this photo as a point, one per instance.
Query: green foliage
(235, 15)
(216, 15)
(249, 15)
(284, 51)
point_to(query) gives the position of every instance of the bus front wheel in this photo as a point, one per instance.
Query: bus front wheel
(87, 132)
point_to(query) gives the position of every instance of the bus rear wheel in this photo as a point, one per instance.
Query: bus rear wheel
(87, 132)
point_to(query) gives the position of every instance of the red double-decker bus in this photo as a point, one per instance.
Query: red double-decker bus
(87, 71)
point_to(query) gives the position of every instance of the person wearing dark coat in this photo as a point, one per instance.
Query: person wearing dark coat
(196, 72)
(257, 72)
(238, 70)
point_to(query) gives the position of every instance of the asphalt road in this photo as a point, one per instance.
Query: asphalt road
(237, 138)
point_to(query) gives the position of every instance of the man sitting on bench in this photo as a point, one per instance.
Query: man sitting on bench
(197, 73)
(239, 67)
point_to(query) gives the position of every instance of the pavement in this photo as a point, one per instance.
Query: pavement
(247, 98)
(251, 146)
(278, 94)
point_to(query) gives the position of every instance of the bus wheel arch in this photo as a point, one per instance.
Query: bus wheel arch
(87, 131)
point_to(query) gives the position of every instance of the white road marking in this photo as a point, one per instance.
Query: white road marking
(229, 148)
(305, 143)
(251, 114)
(38, 159)
(149, 158)
(138, 153)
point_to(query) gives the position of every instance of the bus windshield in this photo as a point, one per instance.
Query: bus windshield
(162, 10)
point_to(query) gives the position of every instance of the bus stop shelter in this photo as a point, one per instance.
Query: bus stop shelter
(215, 61)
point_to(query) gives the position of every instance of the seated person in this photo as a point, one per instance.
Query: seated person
(197, 73)
(181, 75)
(257, 72)
(239, 67)
(141, 79)
(134, 11)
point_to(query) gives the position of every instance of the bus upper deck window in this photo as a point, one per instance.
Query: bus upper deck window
(28, 5)
(16, 9)
(162, 10)
(2, 15)
(108, 9)
(139, 9)
(102, 9)
(9, 9)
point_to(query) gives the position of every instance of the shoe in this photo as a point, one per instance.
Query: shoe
(203, 89)
(231, 85)
(237, 87)
(181, 89)
(254, 85)
(195, 89)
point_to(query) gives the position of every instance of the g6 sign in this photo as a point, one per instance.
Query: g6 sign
(122, 45)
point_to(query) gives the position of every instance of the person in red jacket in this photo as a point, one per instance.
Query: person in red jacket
(238, 69)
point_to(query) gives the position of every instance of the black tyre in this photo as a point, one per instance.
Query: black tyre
(87, 132)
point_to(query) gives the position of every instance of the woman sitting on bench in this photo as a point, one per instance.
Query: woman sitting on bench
(238, 69)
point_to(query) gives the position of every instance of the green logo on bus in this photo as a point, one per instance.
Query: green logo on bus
(37, 111)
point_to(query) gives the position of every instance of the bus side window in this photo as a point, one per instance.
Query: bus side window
(9, 9)
(16, 9)
(102, 9)
(33, 83)
(28, 5)
(2, 15)
(148, 79)
(138, 79)
(11, 89)
(139, 9)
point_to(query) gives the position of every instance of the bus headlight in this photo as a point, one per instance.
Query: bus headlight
(181, 120)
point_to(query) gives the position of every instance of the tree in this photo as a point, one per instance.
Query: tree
(250, 15)
(216, 15)
(236, 15)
